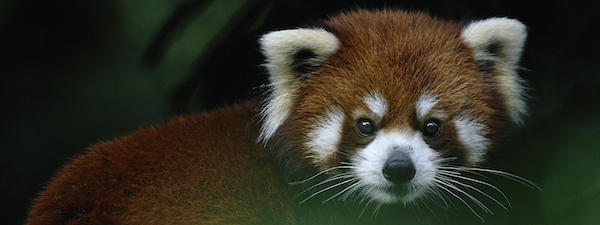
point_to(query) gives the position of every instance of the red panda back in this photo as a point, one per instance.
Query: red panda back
(175, 173)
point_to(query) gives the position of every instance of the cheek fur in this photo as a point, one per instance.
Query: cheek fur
(325, 136)
(472, 135)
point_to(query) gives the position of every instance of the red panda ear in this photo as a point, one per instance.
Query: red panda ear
(497, 44)
(290, 54)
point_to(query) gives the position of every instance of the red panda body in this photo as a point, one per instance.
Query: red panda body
(174, 173)
(386, 106)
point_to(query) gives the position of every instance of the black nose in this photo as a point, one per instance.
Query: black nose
(399, 168)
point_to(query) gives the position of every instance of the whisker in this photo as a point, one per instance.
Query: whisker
(363, 210)
(327, 188)
(476, 173)
(336, 177)
(360, 155)
(425, 200)
(508, 175)
(460, 199)
(450, 172)
(483, 183)
(444, 160)
(376, 210)
(479, 203)
(342, 191)
(436, 193)
(477, 190)
(344, 153)
(319, 173)
(437, 187)
(347, 163)
(353, 190)
(364, 196)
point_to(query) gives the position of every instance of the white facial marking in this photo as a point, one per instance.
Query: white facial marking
(472, 135)
(279, 48)
(424, 105)
(377, 104)
(369, 164)
(509, 36)
(326, 135)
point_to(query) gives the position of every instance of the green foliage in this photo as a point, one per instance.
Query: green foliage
(571, 185)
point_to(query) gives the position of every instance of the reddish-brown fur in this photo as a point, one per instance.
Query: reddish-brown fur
(202, 169)
(208, 168)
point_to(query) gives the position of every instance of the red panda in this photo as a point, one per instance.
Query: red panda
(388, 106)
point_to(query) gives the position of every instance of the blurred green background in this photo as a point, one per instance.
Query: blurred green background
(77, 72)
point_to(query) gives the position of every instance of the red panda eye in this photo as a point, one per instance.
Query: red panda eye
(432, 128)
(365, 127)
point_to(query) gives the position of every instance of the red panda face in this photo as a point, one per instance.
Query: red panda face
(389, 99)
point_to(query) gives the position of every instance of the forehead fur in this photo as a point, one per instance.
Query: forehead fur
(400, 56)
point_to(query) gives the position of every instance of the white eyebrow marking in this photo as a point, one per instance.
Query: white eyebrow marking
(472, 135)
(326, 135)
(377, 104)
(424, 105)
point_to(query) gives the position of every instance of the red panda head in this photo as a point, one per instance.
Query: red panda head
(391, 97)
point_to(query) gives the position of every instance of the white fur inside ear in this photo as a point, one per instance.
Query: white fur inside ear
(279, 48)
(509, 34)
(507, 37)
